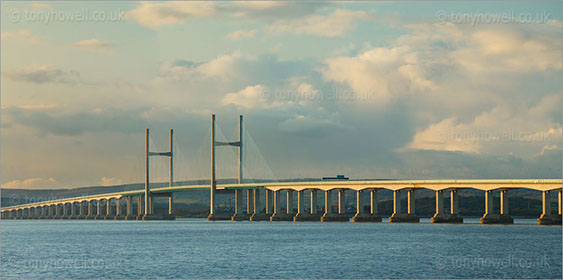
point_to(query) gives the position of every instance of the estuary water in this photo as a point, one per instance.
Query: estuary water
(195, 248)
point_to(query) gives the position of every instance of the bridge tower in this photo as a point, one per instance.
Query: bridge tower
(149, 210)
(213, 182)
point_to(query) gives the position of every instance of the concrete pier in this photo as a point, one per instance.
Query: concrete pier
(440, 216)
(313, 214)
(548, 217)
(239, 215)
(410, 216)
(139, 208)
(258, 215)
(341, 216)
(119, 215)
(109, 211)
(129, 210)
(99, 210)
(493, 218)
(361, 215)
(278, 215)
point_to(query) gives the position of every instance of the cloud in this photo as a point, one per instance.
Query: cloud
(42, 74)
(380, 72)
(154, 15)
(242, 34)
(59, 122)
(234, 70)
(111, 181)
(27, 35)
(511, 49)
(249, 97)
(507, 129)
(18, 33)
(270, 10)
(430, 60)
(32, 184)
(37, 6)
(95, 45)
(309, 126)
(336, 24)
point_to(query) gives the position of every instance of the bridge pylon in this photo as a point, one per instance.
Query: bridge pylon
(213, 182)
(148, 201)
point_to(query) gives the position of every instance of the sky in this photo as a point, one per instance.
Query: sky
(417, 90)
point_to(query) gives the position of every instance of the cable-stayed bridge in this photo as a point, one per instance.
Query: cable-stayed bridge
(264, 199)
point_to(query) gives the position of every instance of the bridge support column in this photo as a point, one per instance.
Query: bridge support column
(249, 202)
(289, 204)
(109, 211)
(341, 216)
(89, 210)
(410, 216)
(129, 210)
(492, 218)
(73, 211)
(81, 213)
(278, 215)
(314, 202)
(328, 206)
(118, 210)
(32, 212)
(269, 203)
(170, 203)
(239, 212)
(547, 218)
(559, 202)
(312, 214)
(258, 215)
(361, 215)
(440, 216)
(65, 211)
(140, 207)
(57, 212)
(99, 214)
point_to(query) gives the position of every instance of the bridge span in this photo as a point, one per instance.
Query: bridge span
(90, 207)
(139, 203)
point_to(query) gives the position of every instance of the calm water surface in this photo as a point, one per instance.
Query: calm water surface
(192, 248)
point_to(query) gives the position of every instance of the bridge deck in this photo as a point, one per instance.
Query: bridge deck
(479, 184)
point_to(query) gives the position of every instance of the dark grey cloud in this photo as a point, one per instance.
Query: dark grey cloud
(70, 124)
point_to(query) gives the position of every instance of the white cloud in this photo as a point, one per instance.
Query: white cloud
(95, 45)
(153, 15)
(336, 24)
(32, 184)
(242, 34)
(249, 98)
(510, 49)
(506, 129)
(380, 72)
